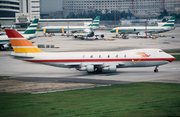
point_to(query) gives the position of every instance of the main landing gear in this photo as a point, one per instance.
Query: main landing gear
(156, 70)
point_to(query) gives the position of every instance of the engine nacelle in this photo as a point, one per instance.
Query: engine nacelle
(82, 69)
(5, 46)
(75, 36)
(102, 36)
(111, 68)
(90, 68)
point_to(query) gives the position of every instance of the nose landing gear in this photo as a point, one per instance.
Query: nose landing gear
(156, 70)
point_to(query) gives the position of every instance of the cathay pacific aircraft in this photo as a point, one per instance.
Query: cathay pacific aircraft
(169, 25)
(92, 62)
(59, 29)
(28, 34)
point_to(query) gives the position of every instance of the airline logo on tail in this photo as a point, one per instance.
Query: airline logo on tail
(95, 22)
(21, 44)
(32, 27)
(170, 22)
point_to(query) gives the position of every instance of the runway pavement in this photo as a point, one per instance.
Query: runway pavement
(26, 71)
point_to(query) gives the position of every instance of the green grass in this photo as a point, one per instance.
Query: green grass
(136, 99)
(172, 51)
(1, 77)
(177, 57)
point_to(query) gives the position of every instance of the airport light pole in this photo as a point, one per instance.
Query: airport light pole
(146, 28)
(119, 13)
(68, 29)
(114, 18)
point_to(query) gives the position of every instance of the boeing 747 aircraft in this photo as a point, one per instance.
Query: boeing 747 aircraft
(169, 25)
(28, 34)
(87, 61)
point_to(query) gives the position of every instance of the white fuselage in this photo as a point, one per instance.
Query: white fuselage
(4, 39)
(59, 28)
(136, 30)
(129, 58)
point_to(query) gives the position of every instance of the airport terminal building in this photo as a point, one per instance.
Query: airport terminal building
(140, 8)
(19, 11)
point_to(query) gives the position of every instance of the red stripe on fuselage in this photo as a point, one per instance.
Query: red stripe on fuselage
(103, 60)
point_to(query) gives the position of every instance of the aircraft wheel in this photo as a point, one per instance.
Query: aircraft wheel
(98, 71)
(156, 70)
(96, 38)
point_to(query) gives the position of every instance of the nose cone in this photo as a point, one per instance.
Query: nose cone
(171, 58)
(113, 30)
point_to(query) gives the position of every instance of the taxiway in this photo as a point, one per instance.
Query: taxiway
(26, 71)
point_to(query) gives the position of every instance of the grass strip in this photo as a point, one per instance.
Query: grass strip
(172, 51)
(1, 77)
(177, 57)
(135, 99)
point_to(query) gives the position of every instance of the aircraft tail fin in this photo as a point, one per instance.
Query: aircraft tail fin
(21, 44)
(95, 22)
(32, 27)
(170, 22)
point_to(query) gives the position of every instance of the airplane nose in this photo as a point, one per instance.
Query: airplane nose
(112, 31)
(171, 59)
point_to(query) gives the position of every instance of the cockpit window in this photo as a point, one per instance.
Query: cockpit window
(161, 51)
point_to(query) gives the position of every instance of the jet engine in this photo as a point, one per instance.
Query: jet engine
(75, 36)
(88, 68)
(111, 68)
(102, 36)
(5, 46)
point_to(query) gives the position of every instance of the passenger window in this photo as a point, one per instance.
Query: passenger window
(99, 56)
(83, 56)
(116, 56)
(91, 56)
(124, 56)
(108, 56)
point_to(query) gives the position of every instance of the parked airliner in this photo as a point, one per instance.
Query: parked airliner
(86, 33)
(169, 25)
(29, 34)
(87, 61)
(73, 29)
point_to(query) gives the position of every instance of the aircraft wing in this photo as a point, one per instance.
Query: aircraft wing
(99, 34)
(82, 34)
(97, 64)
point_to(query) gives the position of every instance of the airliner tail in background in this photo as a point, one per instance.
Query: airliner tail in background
(29, 33)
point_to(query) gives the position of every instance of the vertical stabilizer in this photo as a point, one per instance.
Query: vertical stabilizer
(170, 22)
(21, 44)
(32, 27)
(95, 22)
